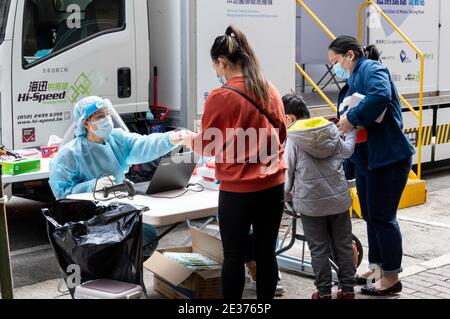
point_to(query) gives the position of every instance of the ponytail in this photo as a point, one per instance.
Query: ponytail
(371, 52)
(235, 47)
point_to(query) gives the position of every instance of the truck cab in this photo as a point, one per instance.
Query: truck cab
(55, 52)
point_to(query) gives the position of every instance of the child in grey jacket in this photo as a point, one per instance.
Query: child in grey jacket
(316, 184)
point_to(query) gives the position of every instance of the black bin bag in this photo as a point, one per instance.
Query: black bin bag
(104, 242)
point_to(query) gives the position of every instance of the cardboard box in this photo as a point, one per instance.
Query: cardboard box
(175, 281)
(20, 167)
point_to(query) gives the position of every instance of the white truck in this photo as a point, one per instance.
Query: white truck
(55, 52)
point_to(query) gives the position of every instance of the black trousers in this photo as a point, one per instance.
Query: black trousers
(237, 213)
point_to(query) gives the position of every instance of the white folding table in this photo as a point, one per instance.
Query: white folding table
(43, 173)
(164, 211)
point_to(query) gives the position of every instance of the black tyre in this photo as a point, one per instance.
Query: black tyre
(359, 251)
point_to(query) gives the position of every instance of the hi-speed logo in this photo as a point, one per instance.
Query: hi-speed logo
(55, 93)
(39, 92)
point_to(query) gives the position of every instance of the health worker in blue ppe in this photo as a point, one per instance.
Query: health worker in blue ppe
(101, 155)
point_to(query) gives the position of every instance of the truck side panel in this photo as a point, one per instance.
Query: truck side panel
(6, 83)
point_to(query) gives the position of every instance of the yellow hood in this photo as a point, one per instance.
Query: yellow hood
(309, 124)
(318, 137)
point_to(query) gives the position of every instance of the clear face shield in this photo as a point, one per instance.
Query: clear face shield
(116, 118)
(77, 128)
(103, 104)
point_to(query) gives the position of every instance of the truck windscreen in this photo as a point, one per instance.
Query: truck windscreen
(4, 5)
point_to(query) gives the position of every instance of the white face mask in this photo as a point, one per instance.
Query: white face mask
(222, 79)
(340, 71)
(104, 127)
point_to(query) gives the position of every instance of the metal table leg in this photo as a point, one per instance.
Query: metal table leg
(6, 279)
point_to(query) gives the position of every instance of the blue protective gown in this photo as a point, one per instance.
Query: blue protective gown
(77, 166)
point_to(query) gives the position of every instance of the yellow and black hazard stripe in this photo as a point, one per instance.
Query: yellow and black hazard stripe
(413, 135)
(442, 134)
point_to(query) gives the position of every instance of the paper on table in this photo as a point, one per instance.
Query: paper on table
(357, 98)
(193, 261)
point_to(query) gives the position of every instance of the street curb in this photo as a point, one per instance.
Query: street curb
(430, 264)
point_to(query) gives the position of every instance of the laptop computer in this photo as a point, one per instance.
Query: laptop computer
(173, 173)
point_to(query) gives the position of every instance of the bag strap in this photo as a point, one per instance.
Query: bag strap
(50, 219)
(264, 112)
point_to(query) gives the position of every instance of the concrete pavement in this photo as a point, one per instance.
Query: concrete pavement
(426, 246)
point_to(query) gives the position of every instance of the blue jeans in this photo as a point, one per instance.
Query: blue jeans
(379, 192)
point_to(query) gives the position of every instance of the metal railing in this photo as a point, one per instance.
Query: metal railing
(301, 70)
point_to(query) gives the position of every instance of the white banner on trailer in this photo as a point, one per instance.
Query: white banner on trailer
(270, 27)
(419, 19)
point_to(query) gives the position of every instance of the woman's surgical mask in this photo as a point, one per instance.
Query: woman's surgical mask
(340, 71)
(104, 127)
(222, 79)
